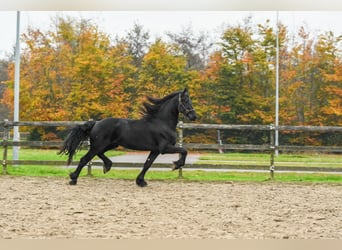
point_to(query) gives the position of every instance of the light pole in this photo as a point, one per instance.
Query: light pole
(16, 135)
(276, 144)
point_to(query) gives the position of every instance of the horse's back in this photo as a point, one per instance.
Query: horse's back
(104, 129)
(106, 123)
(113, 128)
(133, 134)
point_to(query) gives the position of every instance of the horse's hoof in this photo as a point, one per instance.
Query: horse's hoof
(141, 183)
(106, 169)
(175, 167)
(73, 182)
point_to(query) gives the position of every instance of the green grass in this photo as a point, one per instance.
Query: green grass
(130, 174)
(303, 160)
(51, 155)
(49, 171)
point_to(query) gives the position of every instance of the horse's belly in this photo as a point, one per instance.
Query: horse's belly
(139, 141)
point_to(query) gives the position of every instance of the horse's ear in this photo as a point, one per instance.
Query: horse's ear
(185, 90)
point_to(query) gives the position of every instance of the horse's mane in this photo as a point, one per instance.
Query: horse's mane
(154, 104)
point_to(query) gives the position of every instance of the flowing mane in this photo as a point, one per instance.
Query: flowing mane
(153, 105)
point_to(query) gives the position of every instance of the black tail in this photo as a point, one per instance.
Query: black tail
(75, 138)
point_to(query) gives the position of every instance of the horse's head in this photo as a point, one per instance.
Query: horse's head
(185, 105)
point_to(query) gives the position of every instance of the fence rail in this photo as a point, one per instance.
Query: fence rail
(270, 147)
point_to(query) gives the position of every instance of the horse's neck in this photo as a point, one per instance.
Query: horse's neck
(169, 114)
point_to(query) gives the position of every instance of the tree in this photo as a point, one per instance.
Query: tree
(329, 95)
(3, 79)
(194, 47)
(71, 74)
(163, 70)
(76, 72)
(210, 106)
(138, 42)
(246, 77)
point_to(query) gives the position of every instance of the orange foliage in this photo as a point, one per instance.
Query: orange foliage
(75, 72)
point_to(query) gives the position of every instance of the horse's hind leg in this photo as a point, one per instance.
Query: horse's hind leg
(107, 163)
(84, 160)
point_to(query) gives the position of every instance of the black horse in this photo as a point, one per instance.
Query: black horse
(155, 132)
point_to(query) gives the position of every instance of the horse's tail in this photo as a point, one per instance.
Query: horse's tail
(75, 138)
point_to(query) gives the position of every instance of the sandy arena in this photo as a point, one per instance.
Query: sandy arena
(48, 208)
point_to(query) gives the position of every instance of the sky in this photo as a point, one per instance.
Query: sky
(159, 22)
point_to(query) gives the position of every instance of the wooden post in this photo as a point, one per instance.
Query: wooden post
(273, 150)
(180, 144)
(90, 162)
(89, 168)
(5, 142)
(219, 141)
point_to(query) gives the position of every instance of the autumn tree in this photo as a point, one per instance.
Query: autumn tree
(163, 70)
(306, 76)
(137, 44)
(328, 92)
(72, 73)
(210, 107)
(237, 42)
(75, 71)
(3, 78)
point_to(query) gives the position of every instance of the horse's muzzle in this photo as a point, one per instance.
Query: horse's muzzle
(192, 116)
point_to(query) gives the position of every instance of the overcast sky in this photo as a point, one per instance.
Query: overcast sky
(158, 22)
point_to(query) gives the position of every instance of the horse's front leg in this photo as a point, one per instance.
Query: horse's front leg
(171, 149)
(181, 162)
(140, 181)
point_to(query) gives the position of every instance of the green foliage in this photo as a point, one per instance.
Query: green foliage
(76, 72)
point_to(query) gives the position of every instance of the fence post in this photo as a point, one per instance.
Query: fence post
(273, 149)
(90, 162)
(180, 144)
(5, 143)
(219, 141)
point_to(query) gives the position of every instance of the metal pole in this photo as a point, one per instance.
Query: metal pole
(180, 144)
(273, 150)
(16, 135)
(277, 89)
